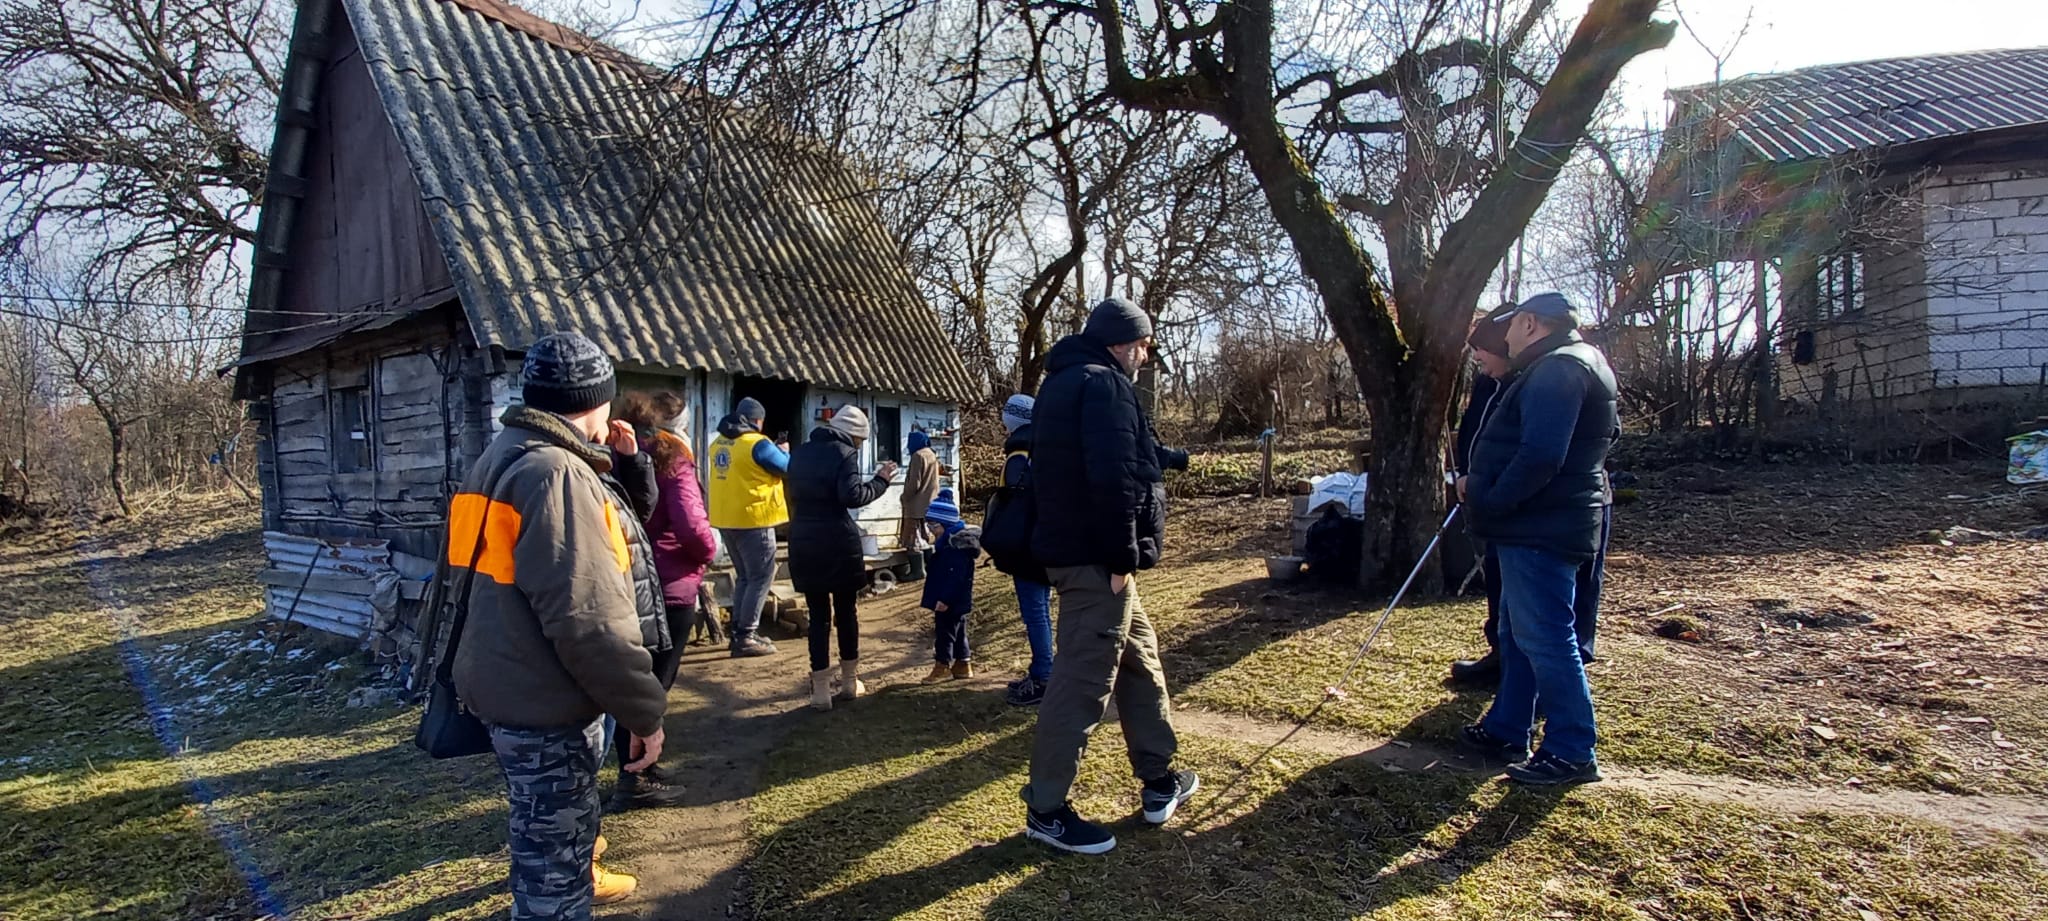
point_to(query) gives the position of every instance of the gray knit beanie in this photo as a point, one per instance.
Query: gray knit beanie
(566, 373)
(850, 421)
(1116, 321)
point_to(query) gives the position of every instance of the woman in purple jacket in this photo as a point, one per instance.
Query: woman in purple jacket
(683, 547)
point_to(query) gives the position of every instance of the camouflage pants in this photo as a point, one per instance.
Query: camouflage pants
(551, 781)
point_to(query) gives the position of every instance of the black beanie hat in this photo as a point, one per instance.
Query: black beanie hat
(1116, 321)
(567, 373)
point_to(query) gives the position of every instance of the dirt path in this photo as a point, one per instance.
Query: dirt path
(2016, 815)
(726, 717)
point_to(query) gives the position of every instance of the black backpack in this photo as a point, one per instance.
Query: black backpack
(1006, 527)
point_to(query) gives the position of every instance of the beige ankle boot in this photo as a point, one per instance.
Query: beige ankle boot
(849, 680)
(821, 690)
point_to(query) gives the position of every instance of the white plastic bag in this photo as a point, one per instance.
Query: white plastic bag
(1346, 488)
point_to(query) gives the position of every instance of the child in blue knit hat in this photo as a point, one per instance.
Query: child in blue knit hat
(949, 587)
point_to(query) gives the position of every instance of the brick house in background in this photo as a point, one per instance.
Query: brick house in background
(1897, 210)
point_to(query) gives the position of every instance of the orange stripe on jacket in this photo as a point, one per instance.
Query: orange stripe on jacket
(467, 520)
(617, 530)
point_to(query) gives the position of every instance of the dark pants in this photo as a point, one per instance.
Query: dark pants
(949, 637)
(551, 784)
(829, 610)
(666, 663)
(1585, 601)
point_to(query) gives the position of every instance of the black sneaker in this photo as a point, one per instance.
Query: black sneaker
(1491, 748)
(1062, 829)
(641, 791)
(1025, 692)
(751, 646)
(1161, 797)
(1548, 770)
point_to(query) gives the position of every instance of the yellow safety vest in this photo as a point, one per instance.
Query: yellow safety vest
(743, 493)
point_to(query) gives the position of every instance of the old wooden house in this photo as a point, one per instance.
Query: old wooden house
(1896, 211)
(452, 179)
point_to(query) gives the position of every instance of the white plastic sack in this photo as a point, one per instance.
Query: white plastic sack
(1345, 488)
(2028, 463)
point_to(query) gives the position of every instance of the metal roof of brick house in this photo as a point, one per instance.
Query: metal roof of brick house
(568, 188)
(1836, 109)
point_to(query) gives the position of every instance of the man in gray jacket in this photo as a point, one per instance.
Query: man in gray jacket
(554, 638)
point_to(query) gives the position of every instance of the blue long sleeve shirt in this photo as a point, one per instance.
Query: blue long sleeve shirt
(771, 458)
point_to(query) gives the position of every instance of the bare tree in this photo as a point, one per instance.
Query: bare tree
(137, 129)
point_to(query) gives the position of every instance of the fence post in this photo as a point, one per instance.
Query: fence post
(1266, 464)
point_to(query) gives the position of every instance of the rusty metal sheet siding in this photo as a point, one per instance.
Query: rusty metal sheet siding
(568, 193)
(1842, 108)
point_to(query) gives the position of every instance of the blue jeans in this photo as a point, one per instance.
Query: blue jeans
(753, 571)
(1539, 656)
(1034, 605)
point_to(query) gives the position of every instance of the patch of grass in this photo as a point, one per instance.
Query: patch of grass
(207, 766)
(905, 806)
(1646, 719)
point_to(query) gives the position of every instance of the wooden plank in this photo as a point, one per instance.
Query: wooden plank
(300, 444)
(338, 583)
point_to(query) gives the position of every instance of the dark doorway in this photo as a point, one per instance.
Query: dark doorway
(784, 400)
(888, 434)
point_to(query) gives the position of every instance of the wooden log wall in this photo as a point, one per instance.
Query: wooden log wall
(422, 382)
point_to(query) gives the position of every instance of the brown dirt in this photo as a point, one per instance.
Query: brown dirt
(725, 716)
(1828, 588)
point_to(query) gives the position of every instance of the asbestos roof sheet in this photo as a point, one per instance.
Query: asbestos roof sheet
(570, 189)
(1837, 109)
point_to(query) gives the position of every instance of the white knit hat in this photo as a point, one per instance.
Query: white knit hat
(850, 421)
(1017, 412)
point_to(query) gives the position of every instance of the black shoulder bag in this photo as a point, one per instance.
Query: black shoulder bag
(447, 728)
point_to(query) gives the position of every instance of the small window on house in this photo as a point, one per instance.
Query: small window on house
(1839, 286)
(888, 434)
(351, 436)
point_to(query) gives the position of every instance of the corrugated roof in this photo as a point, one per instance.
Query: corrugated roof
(570, 191)
(1837, 109)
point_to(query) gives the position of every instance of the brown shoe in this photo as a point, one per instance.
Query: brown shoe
(963, 668)
(940, 672)
(610, 887)
(602, 846)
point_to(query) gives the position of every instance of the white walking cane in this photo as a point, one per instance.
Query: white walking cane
(1336, 691)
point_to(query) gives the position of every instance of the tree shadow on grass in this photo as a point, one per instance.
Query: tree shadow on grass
(1342, 838)
(206, 839)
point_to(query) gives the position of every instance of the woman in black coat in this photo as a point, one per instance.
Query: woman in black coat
(825, 560)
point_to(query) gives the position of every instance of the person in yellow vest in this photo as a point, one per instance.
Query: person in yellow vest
(747, 505)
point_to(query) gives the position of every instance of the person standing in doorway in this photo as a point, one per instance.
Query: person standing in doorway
(1101, 515)
(554, 639)
(920, 484)
(747, 505)
(1537, 492)
(825, 558)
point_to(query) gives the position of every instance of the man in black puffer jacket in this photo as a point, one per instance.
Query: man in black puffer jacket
(1536, 490)
(1097, 477)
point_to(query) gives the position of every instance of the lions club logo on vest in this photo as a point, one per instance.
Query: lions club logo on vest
(722, 459)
